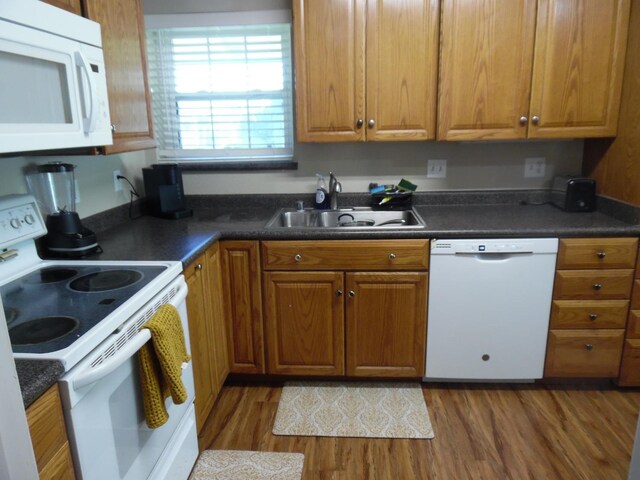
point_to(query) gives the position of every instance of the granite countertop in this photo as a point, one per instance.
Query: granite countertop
(447, 215)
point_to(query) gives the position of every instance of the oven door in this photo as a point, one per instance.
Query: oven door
(104, 413)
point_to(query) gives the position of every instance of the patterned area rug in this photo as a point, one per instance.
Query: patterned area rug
(243, 465)
(375, 410)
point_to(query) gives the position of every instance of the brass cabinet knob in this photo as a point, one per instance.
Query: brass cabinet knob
(588, 346)
(199, 266)
(597, 286)
(297, 257)
(338, 293)
(523, 120)
(359, 123)
(352, 293)
(593, 316)
(601, 255)
(535, 120)
(392, 256)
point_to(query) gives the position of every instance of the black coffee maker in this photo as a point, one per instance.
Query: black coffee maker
(164, 191)
(53, 186)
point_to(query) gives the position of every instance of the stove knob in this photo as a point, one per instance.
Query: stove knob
(15, 223)
(29, 219)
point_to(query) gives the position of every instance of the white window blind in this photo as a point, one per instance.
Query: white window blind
(222, 93)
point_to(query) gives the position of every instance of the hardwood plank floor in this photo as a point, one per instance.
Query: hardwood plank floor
(553, 432)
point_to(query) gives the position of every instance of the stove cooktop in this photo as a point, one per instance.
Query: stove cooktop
(50, 308)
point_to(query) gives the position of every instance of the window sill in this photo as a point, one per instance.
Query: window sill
(244, 165)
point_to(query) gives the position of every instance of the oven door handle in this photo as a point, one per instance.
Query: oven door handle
(129, 349)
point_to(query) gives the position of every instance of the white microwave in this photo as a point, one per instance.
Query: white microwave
(53, 89)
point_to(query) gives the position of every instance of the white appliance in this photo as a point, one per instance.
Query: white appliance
(489, 306)
(53, 89)
(88, 315)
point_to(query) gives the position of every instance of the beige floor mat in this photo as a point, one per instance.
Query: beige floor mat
(375, 410)
(245, 465)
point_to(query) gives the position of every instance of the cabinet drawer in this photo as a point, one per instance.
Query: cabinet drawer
(630, 367)
(346, 255)
(592, 284)
(589, 313)
(635, 295)
(584, 353)
(597, 253)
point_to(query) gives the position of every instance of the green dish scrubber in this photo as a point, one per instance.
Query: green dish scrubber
(407, 185)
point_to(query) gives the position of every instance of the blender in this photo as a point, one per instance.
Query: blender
(53, 186)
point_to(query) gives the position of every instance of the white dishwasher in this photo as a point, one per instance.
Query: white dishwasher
(489, 306)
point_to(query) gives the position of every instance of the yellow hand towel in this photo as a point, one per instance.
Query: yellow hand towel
(161, 365)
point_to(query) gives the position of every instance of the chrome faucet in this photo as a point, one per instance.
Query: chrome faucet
(335, 187)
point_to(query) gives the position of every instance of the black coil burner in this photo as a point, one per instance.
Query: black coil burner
(105, 280)
(42, 330)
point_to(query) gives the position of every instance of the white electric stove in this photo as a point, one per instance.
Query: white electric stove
(87, 315)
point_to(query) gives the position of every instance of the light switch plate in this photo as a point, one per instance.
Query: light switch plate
(535, 167)
(437, 168)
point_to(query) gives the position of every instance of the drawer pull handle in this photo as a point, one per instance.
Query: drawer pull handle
(392, 256)
(338, 293)
(588, 346)
(352, 293)
(297, 257)
(601, 255)
(593, 316)
(597, 286)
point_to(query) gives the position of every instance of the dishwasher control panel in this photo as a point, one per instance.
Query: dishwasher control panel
(489, 246)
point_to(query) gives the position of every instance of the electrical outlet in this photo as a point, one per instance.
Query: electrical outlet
(117, 186)
(77, 190)
(534, 167)
(436, 169)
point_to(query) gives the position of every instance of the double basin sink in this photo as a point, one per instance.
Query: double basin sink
(346, 218)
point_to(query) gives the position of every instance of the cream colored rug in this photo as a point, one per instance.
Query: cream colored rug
(375, 410)
(244, 465)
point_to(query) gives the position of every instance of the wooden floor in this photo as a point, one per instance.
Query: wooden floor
(481, 432)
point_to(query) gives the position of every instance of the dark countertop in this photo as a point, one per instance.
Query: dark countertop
(36, 376)
(460, 215)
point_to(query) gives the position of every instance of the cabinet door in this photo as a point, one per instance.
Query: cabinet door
(243, 305)
(200, 337)
(329, 62)
(402, 67)
(386, 324)
(72, 6)
(216, 310)
(485, 69)
(578, 67)
(125, 58)
(304, 320)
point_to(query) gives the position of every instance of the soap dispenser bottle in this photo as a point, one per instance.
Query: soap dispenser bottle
(322, 197)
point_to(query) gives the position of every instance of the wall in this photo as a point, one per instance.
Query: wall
(471, 166)
(93, 173)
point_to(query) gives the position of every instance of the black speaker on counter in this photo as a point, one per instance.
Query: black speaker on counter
(164, 191)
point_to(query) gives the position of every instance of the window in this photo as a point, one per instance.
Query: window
(222, 93)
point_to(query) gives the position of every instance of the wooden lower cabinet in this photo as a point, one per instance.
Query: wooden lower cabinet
(207, 331)
(73, 6)
(630, 367)
(304, 322)
(243, 305)
(49, 437)
(386, 323)
(584, 353)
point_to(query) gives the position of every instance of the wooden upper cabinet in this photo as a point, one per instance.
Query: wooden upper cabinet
(578, 67)
(125, 57)
(329, 63)
(73, 6)
(396, 100)
(402, 68)
(485, 69)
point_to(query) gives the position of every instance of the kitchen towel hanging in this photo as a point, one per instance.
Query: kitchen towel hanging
(161, 365)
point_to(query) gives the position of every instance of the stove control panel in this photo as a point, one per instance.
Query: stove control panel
(20, 220)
